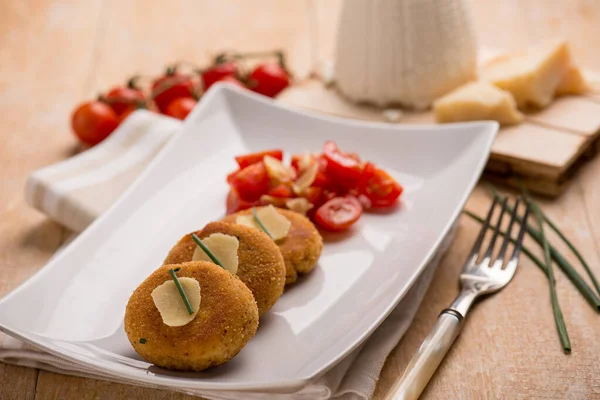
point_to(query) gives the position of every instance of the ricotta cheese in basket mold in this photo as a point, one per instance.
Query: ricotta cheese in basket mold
(532, 75)
(477, 101)
(407, 52)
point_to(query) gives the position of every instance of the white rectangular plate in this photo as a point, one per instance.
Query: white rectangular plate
(74, 306)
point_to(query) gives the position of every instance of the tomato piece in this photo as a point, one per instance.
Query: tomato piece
(217, 73)
(268, 79)
(379, 187)
(93, 121)
(236, 203)
(121, 99)
(181, 107)
(251, 182)
(231, 175)
(248, 159)
(171, 86)
(315, 196)
(338, 214)
(345, 170)
(281, 191)
(295, 163)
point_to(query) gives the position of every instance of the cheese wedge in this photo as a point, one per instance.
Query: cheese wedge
(477, 101)
(170, 305)
(572, 82)
(223, 247)
(276, 225)
(533, 75)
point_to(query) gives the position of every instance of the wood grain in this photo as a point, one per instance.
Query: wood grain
(46, 62)
(62, 52)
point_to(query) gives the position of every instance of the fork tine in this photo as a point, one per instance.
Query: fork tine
(500, 257)
(472, 259)
(488, 253)
(514, 259)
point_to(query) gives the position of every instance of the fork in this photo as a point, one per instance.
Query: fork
(477, 278)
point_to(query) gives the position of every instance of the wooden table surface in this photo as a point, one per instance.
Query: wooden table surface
(55, 54)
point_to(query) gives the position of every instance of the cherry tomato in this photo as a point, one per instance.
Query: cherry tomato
(344, 169)
(170, 87)
(233, 80)
(123, 116)
(248, 159)
(236, 203)
(181, 107)
(93, 121)
(379, 187)
(251, 182)
(281, 191)
(122, 97)
(269, 79)
(338, 214)
(217, 73)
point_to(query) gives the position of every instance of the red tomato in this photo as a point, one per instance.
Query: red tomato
(170, 87)
(181, 107)
(338, 214)
(344, 169)
(93, 121)
(269, 79)
(231, 175)
(379, 187)
(130, 109)
(121, 98)
(236, 203)
(281, 191)
(233, 80)
(218, 72)
(251, 182)
(248, 159)
(315, 196)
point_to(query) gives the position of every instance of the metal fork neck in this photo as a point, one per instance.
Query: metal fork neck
(463, 301)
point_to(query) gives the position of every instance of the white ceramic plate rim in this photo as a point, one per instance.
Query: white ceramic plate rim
(487, 127)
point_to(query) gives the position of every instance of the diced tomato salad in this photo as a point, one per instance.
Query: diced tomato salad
(338, 186)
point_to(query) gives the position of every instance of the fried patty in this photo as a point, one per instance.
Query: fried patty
(260, 263)
(226, 320)
(300, 249)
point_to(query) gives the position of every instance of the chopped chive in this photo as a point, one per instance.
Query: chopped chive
(181, 291)
(143, 340)
(562, 262)
(558, 316)
(553, 226)
(259, 222)
(206, 250)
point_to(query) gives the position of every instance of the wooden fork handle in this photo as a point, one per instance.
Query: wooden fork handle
(429, 356)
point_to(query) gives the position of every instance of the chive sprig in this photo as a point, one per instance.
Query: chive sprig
(206, 250)
(259, 222)
(184, 297)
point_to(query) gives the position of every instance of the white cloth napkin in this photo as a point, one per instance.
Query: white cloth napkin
(75, 191)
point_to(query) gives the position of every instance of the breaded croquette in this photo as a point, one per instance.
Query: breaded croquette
(226, 319)
(261, 266)
(302, 246)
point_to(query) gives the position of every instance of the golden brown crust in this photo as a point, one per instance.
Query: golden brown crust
(300, 249)
(226, 320)
(261, 266)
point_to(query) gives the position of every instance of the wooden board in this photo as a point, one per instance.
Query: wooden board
(544, 152)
